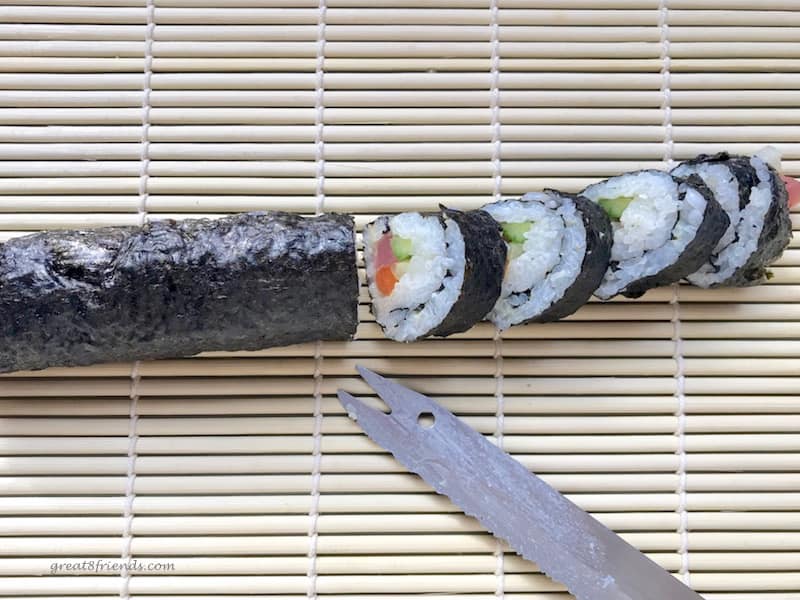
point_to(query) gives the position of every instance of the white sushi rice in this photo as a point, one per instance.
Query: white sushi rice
(746, 224)
(426, 293)
(653, 230)
(772, 156)
(720, 180)
(553, 253)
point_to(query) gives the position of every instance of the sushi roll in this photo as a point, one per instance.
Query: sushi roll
(559, 248)
(176, 288)
(432, 274)
(755, 199)
(665, 228)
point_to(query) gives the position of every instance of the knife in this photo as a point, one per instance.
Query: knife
(538, 522)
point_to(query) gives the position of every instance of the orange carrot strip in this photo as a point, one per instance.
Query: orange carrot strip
(385, 280)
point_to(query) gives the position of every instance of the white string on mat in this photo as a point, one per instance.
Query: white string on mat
(666, 82)
(144, 173)
(313, 514)
(130, 481)
(135, 377)
(316, 474)
(319, 106)
(494, 99)
(499, 428)
(680, 434)
(680, 379)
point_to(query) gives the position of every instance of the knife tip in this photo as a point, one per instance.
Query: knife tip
(348, 402)
(364, 371)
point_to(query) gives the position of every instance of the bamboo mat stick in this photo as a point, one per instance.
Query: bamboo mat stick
(536, 348)
(367, 524)
(332, 584)
(367, 545)
(298, 425)
(199, 386)
(366, 463)
(521, 444)
(341, 425)
(405, 133)
(77, 59)
(358, 81)
(452, 367)
(462, 116)
(381, 81)
(386, 483)
(360, 133)
(377, 503)
(734, 64)
(272, 169)
(271, 504)
(384, 32)
(401, 99)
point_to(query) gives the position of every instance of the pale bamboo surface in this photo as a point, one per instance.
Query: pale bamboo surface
(674, 418)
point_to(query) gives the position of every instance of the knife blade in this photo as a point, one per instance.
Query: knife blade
(538, 522)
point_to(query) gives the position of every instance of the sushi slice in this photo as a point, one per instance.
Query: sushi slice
(755, 199)
(665, 228)
(559, 248)
(171, 289)
(432, 274)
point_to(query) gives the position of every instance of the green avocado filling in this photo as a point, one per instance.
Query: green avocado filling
(614, 207)
(400, 268)
(514, 233)
(514, 250)
(401, 247)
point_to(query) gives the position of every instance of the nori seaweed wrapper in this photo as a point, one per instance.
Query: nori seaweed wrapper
(740, 167)
(485, 259)
(777, 230)
(697, 252)
(775, 237)
(599, 238)
(173, 289)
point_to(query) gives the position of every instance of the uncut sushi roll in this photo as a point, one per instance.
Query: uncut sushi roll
(176, 288)
(665, 228)
(559, 248)
(432, 274)
(755, 199)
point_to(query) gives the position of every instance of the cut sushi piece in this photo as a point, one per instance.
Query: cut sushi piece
(559, 248)
(432, 274)
(172, 289)
(755, 199)
(666, 229)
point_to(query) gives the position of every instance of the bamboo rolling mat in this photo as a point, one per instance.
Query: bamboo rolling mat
(674, 418)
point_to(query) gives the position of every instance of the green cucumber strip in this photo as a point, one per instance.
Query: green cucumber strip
(401, 247)
(515, 232)
(614, 207)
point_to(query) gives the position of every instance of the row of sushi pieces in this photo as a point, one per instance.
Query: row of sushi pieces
(716, 220)
(262, 279)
